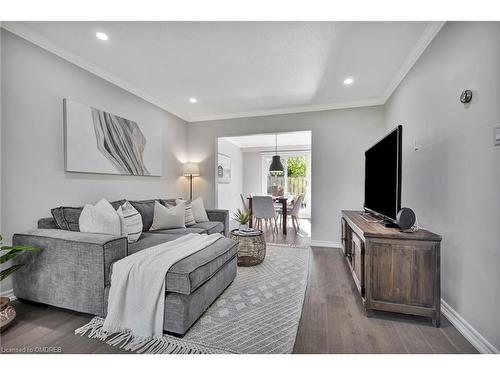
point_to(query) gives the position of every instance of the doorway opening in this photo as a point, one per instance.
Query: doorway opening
(243, 171)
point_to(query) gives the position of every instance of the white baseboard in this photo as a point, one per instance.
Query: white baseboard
(473, 336)
(9, 294)
(326, 244)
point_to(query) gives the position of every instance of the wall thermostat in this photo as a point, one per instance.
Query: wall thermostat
(466, 96)
(497, 135)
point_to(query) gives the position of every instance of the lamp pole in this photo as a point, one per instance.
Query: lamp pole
(190, 187)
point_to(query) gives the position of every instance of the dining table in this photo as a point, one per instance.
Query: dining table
(280, 200)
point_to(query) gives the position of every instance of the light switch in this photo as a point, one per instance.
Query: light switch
(497, 136)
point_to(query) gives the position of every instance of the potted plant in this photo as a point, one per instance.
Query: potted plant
(242, 217)
(7, 312)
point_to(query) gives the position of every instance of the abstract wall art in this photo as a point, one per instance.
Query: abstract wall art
(223, 169)
(101, 142)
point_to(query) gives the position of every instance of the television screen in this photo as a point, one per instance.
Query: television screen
(383, 176)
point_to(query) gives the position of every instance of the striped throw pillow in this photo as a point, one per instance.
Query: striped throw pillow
(189, 220)
(131, 222)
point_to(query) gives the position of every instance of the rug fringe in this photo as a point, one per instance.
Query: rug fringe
(127, 341)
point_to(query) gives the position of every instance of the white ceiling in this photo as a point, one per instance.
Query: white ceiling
(239, 69)
(302, 138)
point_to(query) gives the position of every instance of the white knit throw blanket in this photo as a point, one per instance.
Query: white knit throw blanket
(137, 296)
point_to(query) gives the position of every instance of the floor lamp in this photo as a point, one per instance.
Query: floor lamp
(191, 170)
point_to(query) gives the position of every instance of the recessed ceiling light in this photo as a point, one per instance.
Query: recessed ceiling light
(192, 100)
(348, 81)
(101, 36)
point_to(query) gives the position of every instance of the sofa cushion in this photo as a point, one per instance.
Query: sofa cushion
(148, 240)
(146, 209)
(67, 217)
(188, 274)
(210, 226)
(179, 231)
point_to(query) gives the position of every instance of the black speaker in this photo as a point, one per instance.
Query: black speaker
(406, 218)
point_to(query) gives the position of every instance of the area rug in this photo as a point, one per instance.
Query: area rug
(258, 313)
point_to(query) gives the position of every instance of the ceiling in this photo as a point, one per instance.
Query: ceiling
(302, 138)
(240, 69)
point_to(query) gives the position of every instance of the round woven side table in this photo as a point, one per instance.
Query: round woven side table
(251, 247)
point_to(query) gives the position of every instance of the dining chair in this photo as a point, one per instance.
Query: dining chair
(263, 208)
(294, 213)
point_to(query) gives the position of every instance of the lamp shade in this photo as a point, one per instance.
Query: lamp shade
(276, 166)
(191, 169)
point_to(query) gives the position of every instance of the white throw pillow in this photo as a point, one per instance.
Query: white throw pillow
(131, 222)
(168, 218)
(189, 220)
(199, 212)
(101, 218)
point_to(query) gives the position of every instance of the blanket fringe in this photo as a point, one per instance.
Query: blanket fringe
(125, 340)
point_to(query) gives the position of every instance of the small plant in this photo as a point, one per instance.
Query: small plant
(12, 252)
(242, 217)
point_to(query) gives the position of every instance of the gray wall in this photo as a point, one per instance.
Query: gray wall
(34, 83)
(453, 180)
(228, 195)
(339, 139)
(252, 173)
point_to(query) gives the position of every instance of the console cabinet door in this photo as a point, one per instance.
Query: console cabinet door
(358, 262)
(404, 272)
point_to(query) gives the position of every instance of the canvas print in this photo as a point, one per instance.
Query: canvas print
(223, 169)
(101, 142)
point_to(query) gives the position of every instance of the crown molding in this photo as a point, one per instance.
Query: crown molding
(290, 110)
(44, 43)
(425, 39)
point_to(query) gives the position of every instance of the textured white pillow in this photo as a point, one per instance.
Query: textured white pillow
(199, 212)
(168, 218)
(131, 222)
(189, 220)
(101, 218)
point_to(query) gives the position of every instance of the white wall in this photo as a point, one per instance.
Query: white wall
(34, 83)
(339, 139)
(228, 195)
(453, 180)
(252, 173)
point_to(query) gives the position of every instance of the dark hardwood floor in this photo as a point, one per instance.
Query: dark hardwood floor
(332, 318)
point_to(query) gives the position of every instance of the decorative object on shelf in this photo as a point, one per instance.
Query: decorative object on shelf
(466, 96)
(406, 218)
(7, 312)
(223, 169)
(242, 217)
(101, 142)
(276, 165)
(191, 170)
(251, 248)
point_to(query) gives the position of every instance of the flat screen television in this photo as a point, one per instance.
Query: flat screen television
(383, 176)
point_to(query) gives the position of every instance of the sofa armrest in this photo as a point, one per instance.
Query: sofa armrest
(222, 216)
(71, 271)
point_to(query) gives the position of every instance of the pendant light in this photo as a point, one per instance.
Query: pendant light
(276, 166)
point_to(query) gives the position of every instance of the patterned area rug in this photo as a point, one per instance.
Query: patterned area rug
(258, 313)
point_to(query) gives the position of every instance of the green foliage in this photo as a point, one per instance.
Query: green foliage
(297, 166)
(12, 252)
(241, 217)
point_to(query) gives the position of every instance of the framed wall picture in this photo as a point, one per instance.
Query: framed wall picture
(223, 169)
(101, 142)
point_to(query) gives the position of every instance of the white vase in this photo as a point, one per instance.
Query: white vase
(243, 227)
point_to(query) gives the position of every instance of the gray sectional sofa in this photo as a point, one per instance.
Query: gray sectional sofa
(74, 269)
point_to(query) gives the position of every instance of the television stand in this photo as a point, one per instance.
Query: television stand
(389, 224)
(393, 271)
